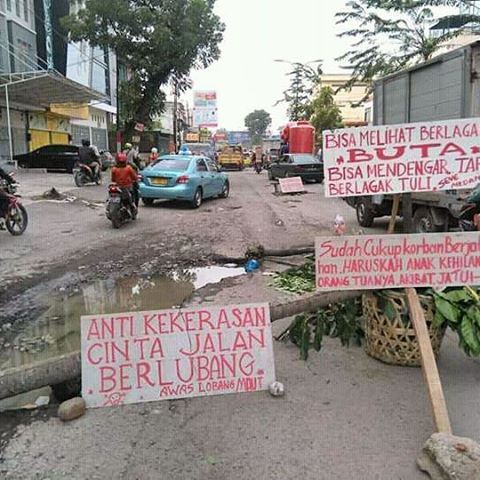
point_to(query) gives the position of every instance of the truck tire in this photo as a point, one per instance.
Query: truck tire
(365, 216)
(423, 221)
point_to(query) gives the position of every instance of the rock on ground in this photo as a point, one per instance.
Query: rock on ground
(446, 457)
(71, 409)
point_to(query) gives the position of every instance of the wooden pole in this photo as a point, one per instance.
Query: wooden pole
(429, 365)
(407, 212)
(67, 367)
(395, 209)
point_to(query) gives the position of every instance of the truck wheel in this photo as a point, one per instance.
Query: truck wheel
(365, 215)
(423, 221)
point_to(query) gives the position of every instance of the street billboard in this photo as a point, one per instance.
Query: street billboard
(397, 261)
(237, 138)
(205, 117)
(170, 354)
(413, 157)
(205, 109)
(205, 99)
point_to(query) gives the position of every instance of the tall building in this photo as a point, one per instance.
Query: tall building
(349, 101)
(93, 67)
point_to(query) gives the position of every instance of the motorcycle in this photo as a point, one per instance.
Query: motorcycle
(469, 217)
(120, 206)
(84, 174)
(16, 217)
(258, 167)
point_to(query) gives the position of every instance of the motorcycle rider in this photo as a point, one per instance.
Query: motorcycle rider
(90, 156)
(125, 176)
(4, 200)
(134, 161)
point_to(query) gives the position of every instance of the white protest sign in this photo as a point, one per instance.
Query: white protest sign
(168, 354)
(414, 157)
(291, 185)
(397, 261)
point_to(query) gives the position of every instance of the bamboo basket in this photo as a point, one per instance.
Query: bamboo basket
(391, 338)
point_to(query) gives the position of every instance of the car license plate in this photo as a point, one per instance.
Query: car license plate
(115, 200)
(159, 181)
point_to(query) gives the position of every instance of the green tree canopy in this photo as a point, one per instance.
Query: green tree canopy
(158, 41)
(304, 79)
(326, 114)
(390, 35)
(257, 123)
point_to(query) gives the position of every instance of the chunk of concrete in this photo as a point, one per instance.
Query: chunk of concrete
(446, 457)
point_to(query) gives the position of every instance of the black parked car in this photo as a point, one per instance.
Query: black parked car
(303, 165)
(57, 157)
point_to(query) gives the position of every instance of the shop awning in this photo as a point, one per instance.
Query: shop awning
(42, 89)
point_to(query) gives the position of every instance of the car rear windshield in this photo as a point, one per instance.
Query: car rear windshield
(178, 165)
(305, 159)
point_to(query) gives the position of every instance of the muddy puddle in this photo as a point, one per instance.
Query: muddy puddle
(57, 331)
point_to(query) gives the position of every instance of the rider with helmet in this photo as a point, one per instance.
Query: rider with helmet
(153, 156)
(89, 156)
(125, 176)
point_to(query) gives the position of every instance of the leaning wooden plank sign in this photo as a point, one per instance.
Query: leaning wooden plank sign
(156, 355)
(396, 261)
(414, 157)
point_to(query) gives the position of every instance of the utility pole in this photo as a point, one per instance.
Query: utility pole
(175, 114)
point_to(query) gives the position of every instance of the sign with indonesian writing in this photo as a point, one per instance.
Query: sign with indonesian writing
(414, 157)
(159, 355)
(291, 185)
(397, 261)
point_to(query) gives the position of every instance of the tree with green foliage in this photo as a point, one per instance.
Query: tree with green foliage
(326, 114)
(257, 123)
(158, 41)
(304, 80)
(390, 35)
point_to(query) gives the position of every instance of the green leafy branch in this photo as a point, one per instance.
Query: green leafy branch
(459, 309)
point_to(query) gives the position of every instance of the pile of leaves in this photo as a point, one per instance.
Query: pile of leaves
(459, 309)
(297, 280)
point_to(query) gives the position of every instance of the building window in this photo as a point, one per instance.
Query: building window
(25, 10)
(9, 5)
(17, 7)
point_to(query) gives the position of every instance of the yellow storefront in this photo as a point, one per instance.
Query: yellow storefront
(53, 127)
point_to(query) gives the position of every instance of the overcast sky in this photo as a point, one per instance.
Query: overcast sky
(258, 32)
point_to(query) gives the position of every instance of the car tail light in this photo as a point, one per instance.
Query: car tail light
(183, 179)
(140, 177)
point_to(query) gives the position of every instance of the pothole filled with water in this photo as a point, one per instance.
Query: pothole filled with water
(57, 331)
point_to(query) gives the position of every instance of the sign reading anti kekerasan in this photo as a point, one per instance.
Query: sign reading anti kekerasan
(157, 355)
(414, 157)
(396, 261)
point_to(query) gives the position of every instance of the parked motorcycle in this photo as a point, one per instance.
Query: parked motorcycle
(84, 174)
(120, 206)
(16, 217)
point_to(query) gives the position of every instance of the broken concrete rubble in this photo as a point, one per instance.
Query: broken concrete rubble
(447, 457)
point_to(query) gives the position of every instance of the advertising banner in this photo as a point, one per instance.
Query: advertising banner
(169, 354)
(397, 261)
(205, 118)
(205, 99)
(414, 157)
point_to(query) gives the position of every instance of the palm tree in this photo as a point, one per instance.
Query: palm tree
(390, 35)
